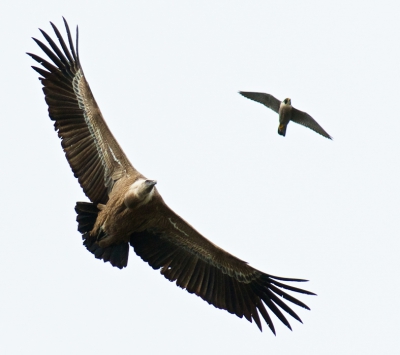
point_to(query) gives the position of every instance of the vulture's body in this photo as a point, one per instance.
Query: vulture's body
(126, 208)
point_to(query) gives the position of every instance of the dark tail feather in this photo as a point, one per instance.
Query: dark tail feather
(86, 216)
(117, 254)
(282, 130)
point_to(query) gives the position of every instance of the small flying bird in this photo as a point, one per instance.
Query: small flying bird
(286, 112)
(126, 208)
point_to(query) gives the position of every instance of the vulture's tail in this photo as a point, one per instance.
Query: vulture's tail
(116, 254)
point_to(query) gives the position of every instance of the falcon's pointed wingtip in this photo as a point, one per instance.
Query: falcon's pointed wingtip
(325, 135)
(246, 94)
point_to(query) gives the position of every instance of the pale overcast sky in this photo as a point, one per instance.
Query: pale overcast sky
(166, 75)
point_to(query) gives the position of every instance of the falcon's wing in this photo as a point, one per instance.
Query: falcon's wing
(266, 99)
(306, 120)
(91, 150)
(221, 279)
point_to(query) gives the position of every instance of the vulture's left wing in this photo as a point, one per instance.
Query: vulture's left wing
(210, 272)
(91, 150)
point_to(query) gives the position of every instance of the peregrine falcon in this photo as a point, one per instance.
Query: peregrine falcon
(286, 112)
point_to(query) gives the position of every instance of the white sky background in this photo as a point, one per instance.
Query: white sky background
(166, 76)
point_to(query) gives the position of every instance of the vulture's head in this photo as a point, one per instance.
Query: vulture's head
(139, 193)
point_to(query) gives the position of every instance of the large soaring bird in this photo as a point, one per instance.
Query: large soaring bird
(126, 208)
(286, 112)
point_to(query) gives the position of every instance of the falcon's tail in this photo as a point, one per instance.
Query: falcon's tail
(116, 254)
(282, 129)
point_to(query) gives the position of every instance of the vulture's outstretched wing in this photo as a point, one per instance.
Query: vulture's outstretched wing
(91, 150)
(210, 272)
(266, 99)
(306, 120)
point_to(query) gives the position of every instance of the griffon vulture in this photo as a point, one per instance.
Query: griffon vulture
(126, 208)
